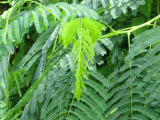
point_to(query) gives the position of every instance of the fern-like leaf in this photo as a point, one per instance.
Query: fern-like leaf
(84, 35)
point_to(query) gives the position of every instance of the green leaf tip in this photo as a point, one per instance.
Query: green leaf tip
(113, 111)
(82, 33)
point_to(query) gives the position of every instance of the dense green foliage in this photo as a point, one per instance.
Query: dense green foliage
(80, 60)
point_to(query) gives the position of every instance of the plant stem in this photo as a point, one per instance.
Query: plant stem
(5, 2)
(107, 25)
(131, 87)
(131, 29)
(70, 106)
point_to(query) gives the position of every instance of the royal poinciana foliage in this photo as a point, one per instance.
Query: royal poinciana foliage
(80, 60)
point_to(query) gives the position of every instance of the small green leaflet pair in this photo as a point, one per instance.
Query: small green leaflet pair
(82, 33)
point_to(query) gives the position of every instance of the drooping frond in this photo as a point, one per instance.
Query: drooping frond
(41, 19)
(82, 34)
